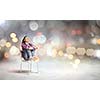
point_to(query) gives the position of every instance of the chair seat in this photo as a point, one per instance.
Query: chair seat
(25, 60)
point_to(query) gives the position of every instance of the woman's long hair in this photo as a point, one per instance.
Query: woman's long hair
(23, 40)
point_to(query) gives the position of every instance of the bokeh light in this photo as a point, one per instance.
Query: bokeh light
(71, 50)
(41, 52)
(73, 32)
(94, 41)
(90, 52)
(39, 33)
(60, 53)
(55, 41)
(2, 42)
(12, 35)
(79, 32)
(98, 41)
(77, 61)
(8, 44)
(36, 58)
(54, 53)
(65, 54)
(33, 25)
(39, 39)
(70, 57)
(81, 51)
(6, 55)
(97, 53)
(14, 50)
(15, 40)
(68, 44)
(49, 51)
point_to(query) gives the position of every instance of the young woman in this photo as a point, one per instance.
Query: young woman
(28, 49)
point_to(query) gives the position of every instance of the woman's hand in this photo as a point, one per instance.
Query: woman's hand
(36, 47)
(30, 48)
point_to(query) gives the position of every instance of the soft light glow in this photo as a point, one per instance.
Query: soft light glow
(8, 44)
(6, 55)
(2, 42)
(94, 41)
(41, 52)
(75, 66)
(79, 32)
(14, 50)
(49, 51)
(36, 59)
(98, 41)
(39, 33)
(39, 39)
(65, 55)
(90, 52)
(71, 50)
(68, 44)
(55, 41)
(92, 34)
(15, 40)
(73, 32)
(54, 53)
(33, 25)
(77, 61)
(80, 51)
(60, 53)
(13, 35)
(97, 53)
(70, 57)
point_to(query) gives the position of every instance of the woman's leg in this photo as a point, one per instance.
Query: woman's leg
(25, 55)
(29, 53)
(33, 52)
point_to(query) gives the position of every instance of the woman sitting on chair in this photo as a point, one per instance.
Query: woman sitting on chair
(28, 49)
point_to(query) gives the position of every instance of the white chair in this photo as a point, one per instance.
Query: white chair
(30, 63)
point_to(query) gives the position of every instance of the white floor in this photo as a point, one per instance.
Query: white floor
(51, 70)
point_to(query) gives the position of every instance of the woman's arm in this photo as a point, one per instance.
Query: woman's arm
(34, 46)
(25, 46)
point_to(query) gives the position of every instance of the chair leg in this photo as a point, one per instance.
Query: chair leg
(28, 65)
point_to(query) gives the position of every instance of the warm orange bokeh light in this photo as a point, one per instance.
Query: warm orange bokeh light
(36, 59)
(6, 55)
(98, 41)
(60, 53)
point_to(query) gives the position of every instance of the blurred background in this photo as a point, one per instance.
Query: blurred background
(68, 49)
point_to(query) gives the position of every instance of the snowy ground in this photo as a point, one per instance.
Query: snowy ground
(51, 69)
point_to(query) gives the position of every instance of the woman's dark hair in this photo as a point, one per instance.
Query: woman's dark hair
(23, 40)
